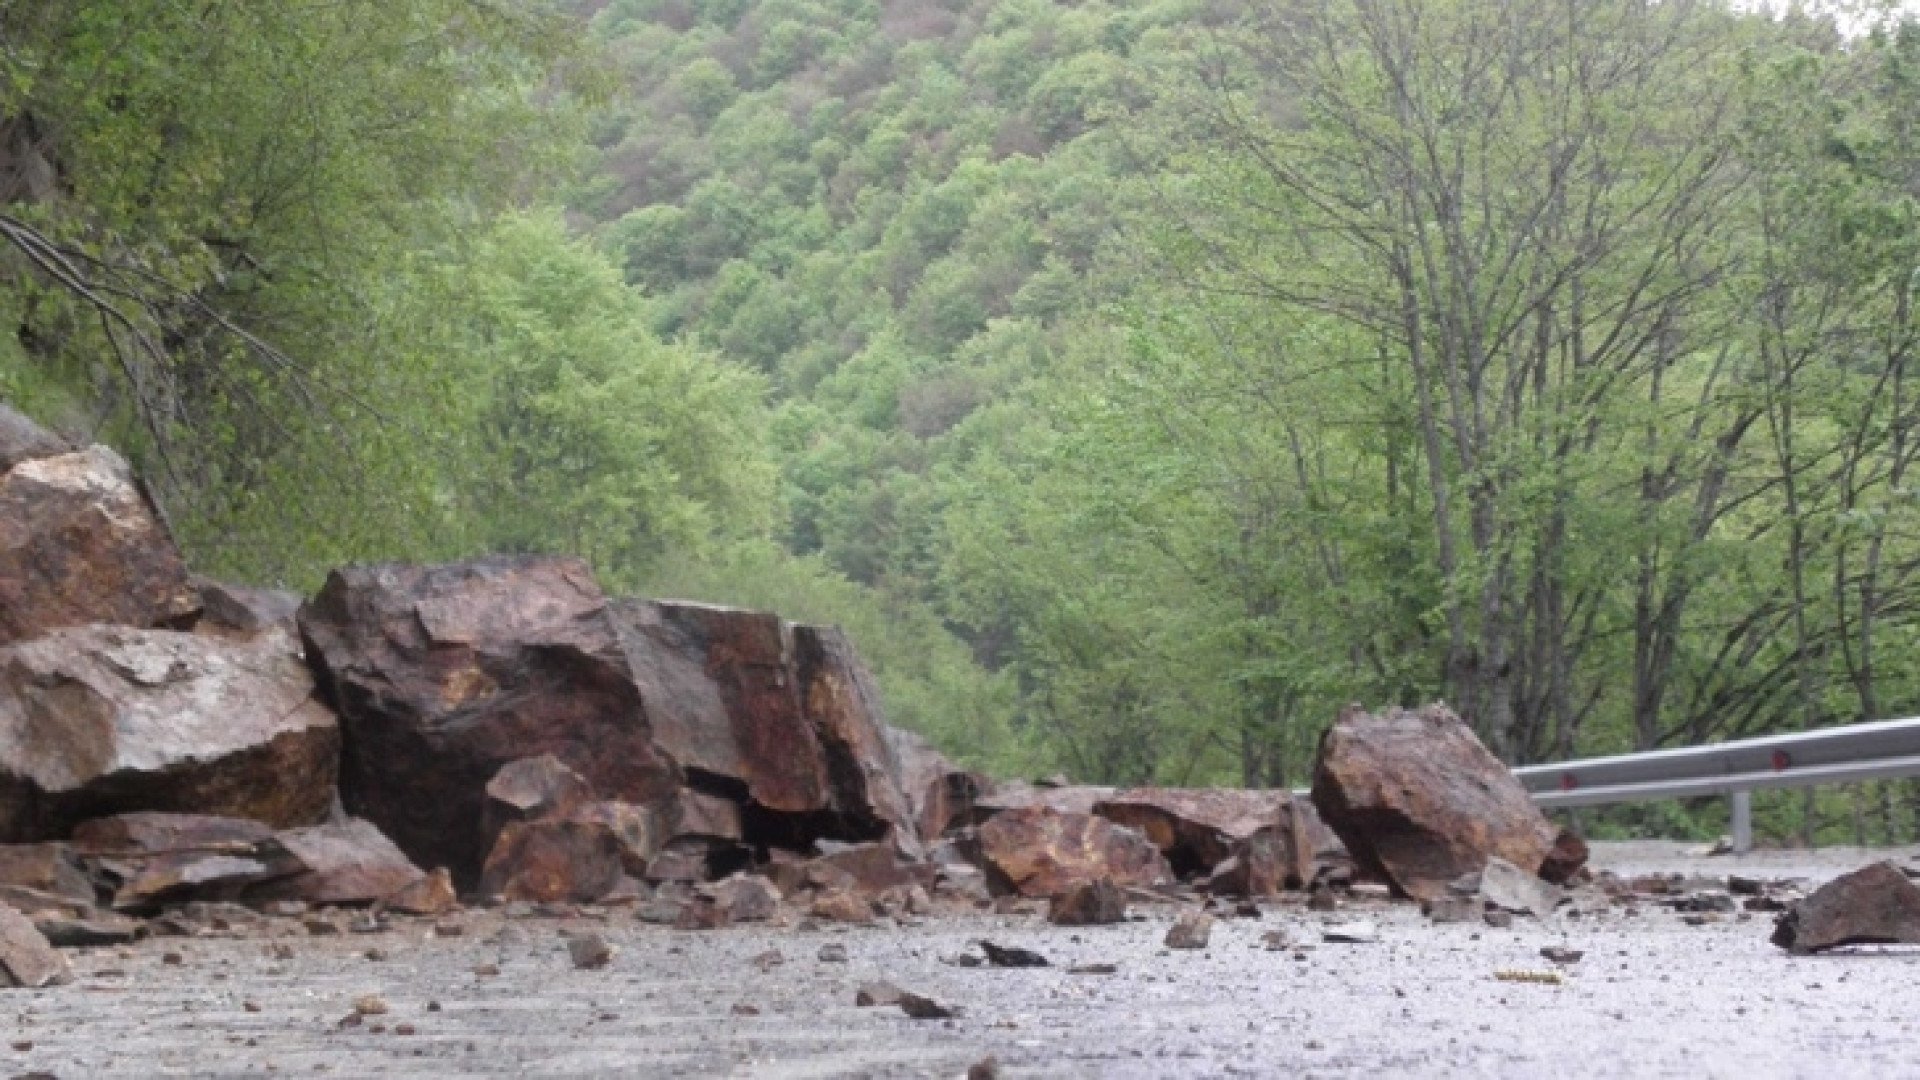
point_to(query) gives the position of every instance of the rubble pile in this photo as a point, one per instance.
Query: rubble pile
(179, 754)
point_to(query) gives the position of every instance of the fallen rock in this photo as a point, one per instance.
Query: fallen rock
(1418, 800)
(1453, 909)
(444, 674)
(745, 898)
(637, 829)
(345, 862)
(431, 895)
(244, 613)
(693, 815)
(533, 788)
(149, 833)
(869, 869)
(1040, 852)
(925, 1008)
(26, 958)
(194, 876)
(1089, 903)
(843, 907)
(1565, 859)
(842, 702)
(1191, 930)
(1510, 888)
(102, 719)
(1875, 904)
(1009, 956)
(701, 913)
(940, 794)
(1199, 828)
(69, 932)
(50, 871)
(81, 543)
(554, 860)
(877, 993)
(589, 952)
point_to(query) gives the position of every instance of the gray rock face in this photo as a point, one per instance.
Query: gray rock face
(101, 720)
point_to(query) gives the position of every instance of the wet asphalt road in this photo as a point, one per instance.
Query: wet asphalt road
(1653, 996)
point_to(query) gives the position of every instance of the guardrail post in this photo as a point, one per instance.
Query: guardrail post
(1742, 822)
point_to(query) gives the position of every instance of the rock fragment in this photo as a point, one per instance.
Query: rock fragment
(1510, 888)
(1360, 932)
(1007, 956)
(431, 895)
(1191, 930)
(343, 862)
(26, 958)
(1040, 852)
(96, 720)
(589, 952)
(1418, 800)
(925, 1008)
(81, 543)
(877, 993)
(1089, 903)
(1198, 829)
(1875, 904)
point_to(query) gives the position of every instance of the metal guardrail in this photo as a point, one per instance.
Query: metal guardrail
(1872, 751)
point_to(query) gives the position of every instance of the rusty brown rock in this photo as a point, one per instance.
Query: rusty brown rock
(1192, 930)
(1199, 828)
(23, 440)
(347, 862)
(868, 869)
(1089, 903)
(721, 699)
(1418, 800)
(443, 674)
(842, 702)
(557, 859)
(144, 833)
(940, 794)
(1875, 904)
(533, 788)
(98, 720)
(431, 895)
(80, 543)
(1565, 859)
(1042, 852)
(26, 958)
(636, 829)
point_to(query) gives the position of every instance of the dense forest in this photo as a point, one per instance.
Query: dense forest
(1137, 380)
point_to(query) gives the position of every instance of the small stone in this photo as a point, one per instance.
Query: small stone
(746, 1010)
(842, 906)
(1093, 969)
(877, 993)
(1360, 932)
(1276, 940)
(486, 971)
(1453, 909)
(1009, 957)
(768, 960)
(987, 1068)
(172, 959)
(924, 1008)
(1190, 931)
(445, 929)
(370, 1005)
(1499, 920)
(1089, 903)
(250, 1006)
(1560, 954)
(589, 952)
(833, 953)
(403, 1029)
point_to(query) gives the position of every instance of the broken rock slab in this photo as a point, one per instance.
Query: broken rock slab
(1198, 829)
(243, 613)
(26, 958)
(533, 788)
(96, 720)
(34, 874)
(1418, 800)
(443, 674)
(1041, 852)
(940, 794)
(81, 543)
(346, 862)
(1875, 904)
(1506, 886)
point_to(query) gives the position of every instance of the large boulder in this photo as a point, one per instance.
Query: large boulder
(443, 674)
(1042, 852)
(782, 718)
(100, 720)
(1873, 905)
(80, 543)
(1419, 801)
(1197, 829)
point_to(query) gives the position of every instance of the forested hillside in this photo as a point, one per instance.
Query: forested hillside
(1138, 382)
